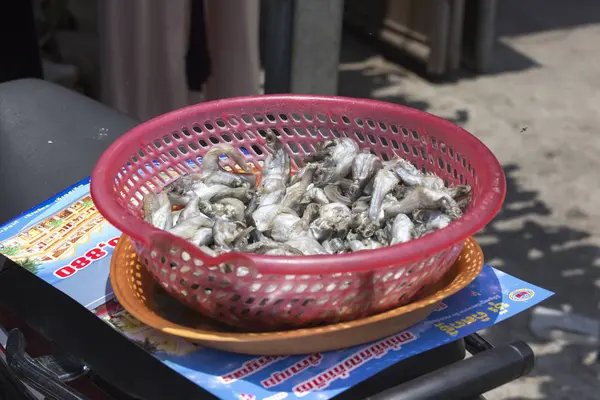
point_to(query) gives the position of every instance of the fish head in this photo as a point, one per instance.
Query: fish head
(324, 175)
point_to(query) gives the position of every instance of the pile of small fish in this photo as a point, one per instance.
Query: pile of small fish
(344, 199)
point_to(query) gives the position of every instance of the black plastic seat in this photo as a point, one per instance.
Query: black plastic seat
(50, 138)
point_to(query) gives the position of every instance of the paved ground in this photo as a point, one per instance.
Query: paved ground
(546, 79)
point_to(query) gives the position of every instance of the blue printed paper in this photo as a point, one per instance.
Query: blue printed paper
(66, 242)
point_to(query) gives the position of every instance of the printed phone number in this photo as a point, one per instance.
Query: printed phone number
(93, 255)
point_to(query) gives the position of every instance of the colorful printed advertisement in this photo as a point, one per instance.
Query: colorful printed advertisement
(67, 243)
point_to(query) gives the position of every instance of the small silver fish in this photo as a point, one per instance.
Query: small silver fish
(388, 201)
(250, 208)
(206, 208)
(429, 220)
(361, 205)
(335, 195)
(266, 245)
(334, 219)
(354, 236)
(243, 239)
(275, 174)
(226, 232)
(344, 199)
(421, 197)
(364, 167)
(337, 155)
(190, 210)
(188, 227)
(213, 173)
(241, 193)
(209, 251)
(178, 190)
(180, 200)
(175, 216)
(336, 214)
(158, 210)
(367, 244)
(295, 192)
(400, 191)
(307, 244)
(232, 209)
(315, 194)
(384, 182)
(202, 237)
(422, 216)
(411, 176)
(368, 190)
(267, 199)
(278, 251)
(206, 191)
(362, 224)
(286, 226)
(401, 230)
(439, 221)
(311, 212)
(383, 236)
(320, 229)
(335, 246)
(308, 169)
(356, 245)
(264, 216)
(448, 205)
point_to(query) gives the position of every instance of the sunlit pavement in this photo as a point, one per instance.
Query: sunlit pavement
(539, 113)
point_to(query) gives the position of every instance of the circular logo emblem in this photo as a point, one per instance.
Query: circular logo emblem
(521, 295)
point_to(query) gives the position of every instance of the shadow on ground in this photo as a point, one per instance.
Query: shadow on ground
(522, 240)
(365, 73)
(556, 258)
(549, 256)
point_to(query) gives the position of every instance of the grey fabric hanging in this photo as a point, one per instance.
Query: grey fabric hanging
(144, 45)
(142, 60)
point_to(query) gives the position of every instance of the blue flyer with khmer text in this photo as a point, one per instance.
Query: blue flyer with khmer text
(67, 243)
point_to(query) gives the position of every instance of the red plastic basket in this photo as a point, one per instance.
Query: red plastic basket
(272, 292)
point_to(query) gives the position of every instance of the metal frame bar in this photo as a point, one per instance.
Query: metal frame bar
(316, 46)
(277, 27)
(455, 35)
(438, 36)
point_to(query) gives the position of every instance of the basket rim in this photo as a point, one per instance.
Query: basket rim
(493, 191)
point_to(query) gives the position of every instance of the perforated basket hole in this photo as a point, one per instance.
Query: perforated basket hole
(316, 287)
(322, 300)
(301, 288)
(270, 288)
(255, 287)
